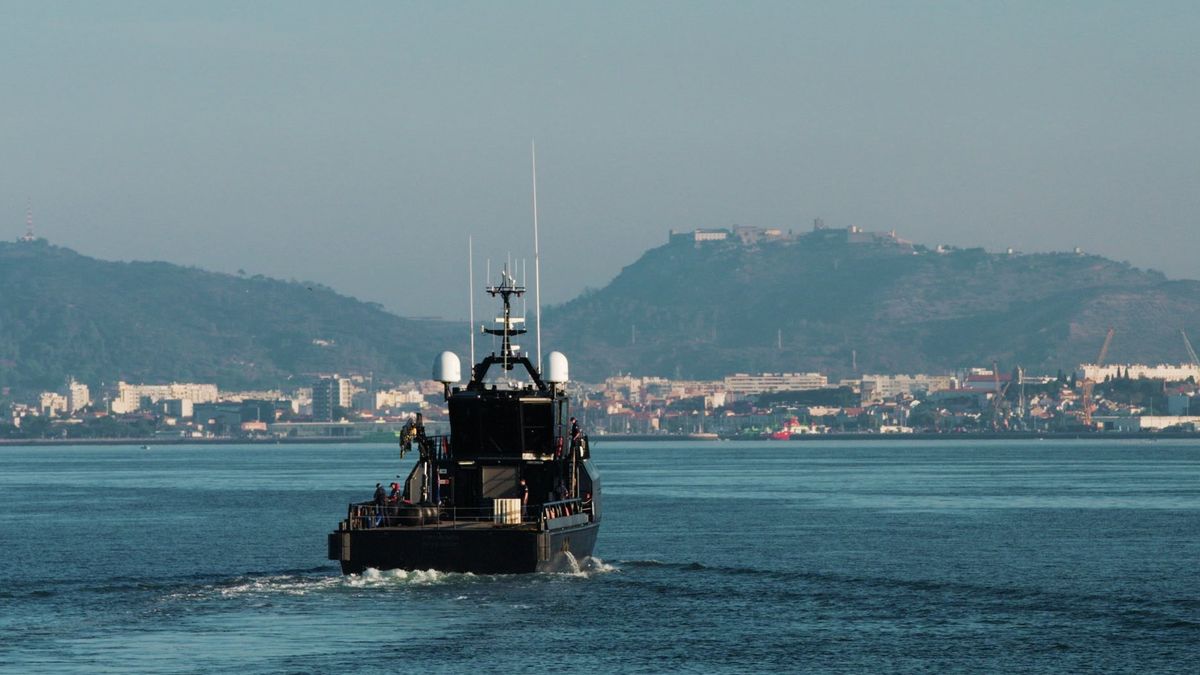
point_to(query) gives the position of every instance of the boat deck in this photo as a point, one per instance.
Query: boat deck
(460, 525)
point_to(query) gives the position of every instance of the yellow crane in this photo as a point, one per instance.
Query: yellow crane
(1089, 383)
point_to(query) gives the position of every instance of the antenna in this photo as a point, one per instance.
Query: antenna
(489, 280)
(28, 221)
(471, 292)
(537, 267)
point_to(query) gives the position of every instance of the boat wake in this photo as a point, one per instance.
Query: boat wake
(372, 578)
(284, 584)
(300, 584)
(568, 565)
(308, 582)
(593, 565)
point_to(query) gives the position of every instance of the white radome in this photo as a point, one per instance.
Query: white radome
(447, 369)
(556, 368)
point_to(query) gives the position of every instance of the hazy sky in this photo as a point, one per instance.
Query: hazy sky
(359, 144)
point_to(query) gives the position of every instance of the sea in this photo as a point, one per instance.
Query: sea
(713, 557)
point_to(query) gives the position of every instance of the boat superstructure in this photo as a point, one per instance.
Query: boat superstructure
(511, 488)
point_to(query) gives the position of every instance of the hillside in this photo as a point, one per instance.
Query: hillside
(825, 299)
(63, 314)
(816, 301)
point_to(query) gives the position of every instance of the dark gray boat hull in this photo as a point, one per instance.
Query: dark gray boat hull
(479, 550)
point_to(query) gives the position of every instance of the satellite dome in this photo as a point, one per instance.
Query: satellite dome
(556, 368)
(447, 369)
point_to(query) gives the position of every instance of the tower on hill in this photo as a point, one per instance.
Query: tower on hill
(28, 236)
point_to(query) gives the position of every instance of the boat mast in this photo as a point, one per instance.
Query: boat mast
(507, 288)
(471, 292)
(537, 268)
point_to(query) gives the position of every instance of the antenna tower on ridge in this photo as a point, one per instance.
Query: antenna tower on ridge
(28, 236)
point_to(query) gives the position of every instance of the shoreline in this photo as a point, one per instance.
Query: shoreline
(800, 438)
(985, 436)
(151, 442)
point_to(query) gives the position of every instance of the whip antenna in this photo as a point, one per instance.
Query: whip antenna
(471, 292)
(537, 268)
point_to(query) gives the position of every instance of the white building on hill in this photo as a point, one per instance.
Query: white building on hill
(1162, 371)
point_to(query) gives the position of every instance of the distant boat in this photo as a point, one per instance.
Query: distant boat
(145, 447)
(791, 428)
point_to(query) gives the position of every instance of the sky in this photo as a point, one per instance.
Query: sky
(360, 144)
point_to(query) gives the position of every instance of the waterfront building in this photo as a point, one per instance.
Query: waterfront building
(219, 418)
(741, 383)
(178, 407)
(396, 398)
(301, 398)
(985, 380)
(324, 399)
(328, 394)
(623, 388)
(133, 397)
(52, 403)
(1181, 404)
(78, 396)
(262, 410)
(1148, 422)
(258, 395)
(882, 387)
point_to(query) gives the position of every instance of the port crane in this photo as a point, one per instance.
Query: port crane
(1022, 413)
(1089, 383)
(1188, 345)
(1000, 409)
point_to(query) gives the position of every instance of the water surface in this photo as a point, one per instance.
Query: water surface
(713, 557)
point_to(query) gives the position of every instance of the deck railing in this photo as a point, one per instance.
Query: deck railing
(437, 447)
(368, 515)
(564, 507)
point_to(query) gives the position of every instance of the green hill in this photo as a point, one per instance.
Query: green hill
(830, 300)
(63, 314)
(824, 300)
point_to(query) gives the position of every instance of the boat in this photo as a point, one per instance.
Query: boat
(790, 428)
(510, 489)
